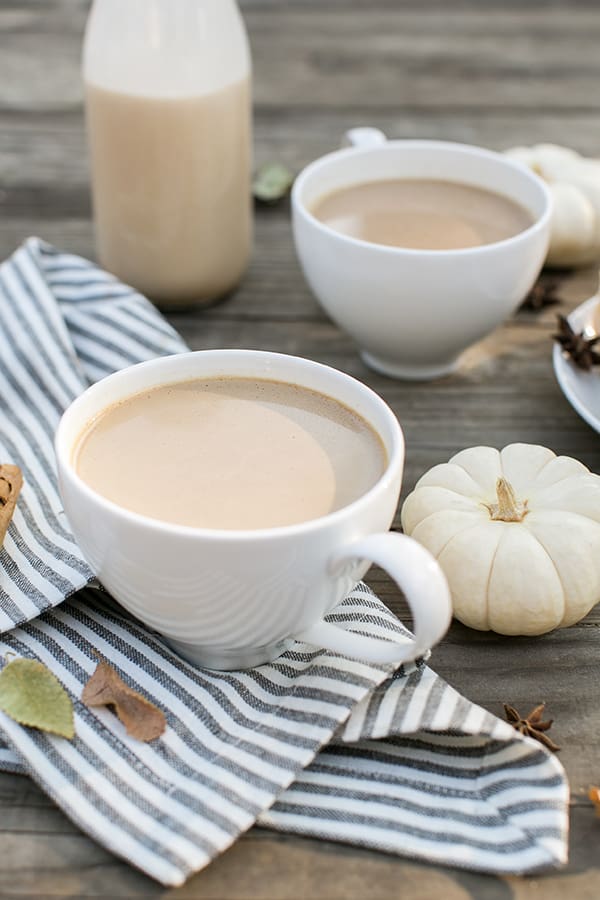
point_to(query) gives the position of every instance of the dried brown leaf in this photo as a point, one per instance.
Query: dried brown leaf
(141, 718)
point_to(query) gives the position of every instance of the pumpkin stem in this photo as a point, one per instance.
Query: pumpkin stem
(508, 508)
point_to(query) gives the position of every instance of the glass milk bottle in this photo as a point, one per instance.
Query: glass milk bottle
(167, 86)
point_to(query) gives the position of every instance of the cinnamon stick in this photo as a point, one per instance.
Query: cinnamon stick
(11, 481)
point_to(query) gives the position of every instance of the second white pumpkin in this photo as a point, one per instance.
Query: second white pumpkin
(517, 533)
(574, 183)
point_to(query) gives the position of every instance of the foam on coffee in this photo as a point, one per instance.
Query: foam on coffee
(422, 214)
(230, 453)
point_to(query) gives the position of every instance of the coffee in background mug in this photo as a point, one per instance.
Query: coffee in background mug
(422, 214)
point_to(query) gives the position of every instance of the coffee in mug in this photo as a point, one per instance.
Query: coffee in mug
(422, 214)
(230, 453)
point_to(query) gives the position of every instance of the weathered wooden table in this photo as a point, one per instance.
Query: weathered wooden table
(491, 72)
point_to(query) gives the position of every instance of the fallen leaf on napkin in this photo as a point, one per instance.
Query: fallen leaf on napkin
(141, 718)
(31, 695)
(11, 481)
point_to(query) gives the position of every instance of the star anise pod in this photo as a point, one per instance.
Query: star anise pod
(577, 346)
(531, 725)
(542, 294)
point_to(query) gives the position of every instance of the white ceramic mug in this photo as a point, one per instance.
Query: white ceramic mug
(232, 599)
(413, 312)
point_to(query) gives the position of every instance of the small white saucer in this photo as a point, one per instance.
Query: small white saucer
(582, 389)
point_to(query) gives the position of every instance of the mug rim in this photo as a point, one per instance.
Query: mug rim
(63, 449)
(539, 223)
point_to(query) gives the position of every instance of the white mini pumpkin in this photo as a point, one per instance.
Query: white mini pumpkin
(574, 183)
(517, 533)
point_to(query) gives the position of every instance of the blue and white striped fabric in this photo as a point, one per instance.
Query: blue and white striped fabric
(63, 325)
(313, 743)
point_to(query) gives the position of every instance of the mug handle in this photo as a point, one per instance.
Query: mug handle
(363, 137)
(418, 575)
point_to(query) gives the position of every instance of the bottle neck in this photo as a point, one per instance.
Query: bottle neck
(165, 47)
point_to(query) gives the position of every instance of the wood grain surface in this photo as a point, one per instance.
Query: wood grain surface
(482, 71)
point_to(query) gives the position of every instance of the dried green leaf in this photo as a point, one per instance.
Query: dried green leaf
(272, 182)
(31, 695)
(141, 718)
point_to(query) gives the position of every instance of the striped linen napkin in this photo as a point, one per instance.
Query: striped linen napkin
(312, 743)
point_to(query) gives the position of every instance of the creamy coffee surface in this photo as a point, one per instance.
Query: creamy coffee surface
(422, 214)
(230, 453)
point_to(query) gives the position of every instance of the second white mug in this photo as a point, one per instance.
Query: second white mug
(413, 312)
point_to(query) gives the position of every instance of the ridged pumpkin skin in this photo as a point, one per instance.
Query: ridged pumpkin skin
(574, 183)
(514, 577)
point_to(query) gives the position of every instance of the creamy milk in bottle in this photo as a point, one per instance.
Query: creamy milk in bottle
(167, 86)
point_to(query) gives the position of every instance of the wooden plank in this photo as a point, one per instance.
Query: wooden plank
(51, 858)
(48, 152)
(377, 58)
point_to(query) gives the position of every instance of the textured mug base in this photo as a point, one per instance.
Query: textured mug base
(226, 660)
(408, 372)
